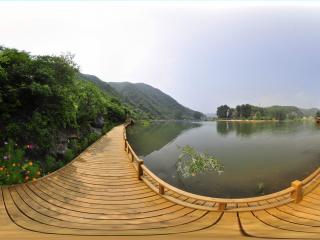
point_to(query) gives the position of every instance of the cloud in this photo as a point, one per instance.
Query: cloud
(203, 54)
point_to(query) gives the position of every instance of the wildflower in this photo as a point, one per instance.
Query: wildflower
(13, 164)
(5, 157)
(28, 172)
(29, 146)
(5, 143)
(30, 163)
(38, 173)
(26, 178)
(1, 168)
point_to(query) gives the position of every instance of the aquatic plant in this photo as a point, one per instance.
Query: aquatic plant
(192, 163)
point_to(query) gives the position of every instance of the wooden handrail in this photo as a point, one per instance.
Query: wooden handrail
(311, 177)
(294, 193)
(217, 200)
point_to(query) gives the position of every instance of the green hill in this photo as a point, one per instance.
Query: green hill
(101, 84)
(153, 102)
(145, 101)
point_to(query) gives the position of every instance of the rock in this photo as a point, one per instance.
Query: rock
(98, 122)
(61, 148)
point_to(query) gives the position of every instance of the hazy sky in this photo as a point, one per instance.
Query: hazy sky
(203, 54)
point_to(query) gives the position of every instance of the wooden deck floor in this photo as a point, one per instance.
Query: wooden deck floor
(98, 196)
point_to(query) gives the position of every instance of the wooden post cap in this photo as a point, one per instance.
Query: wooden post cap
(296, 184)
(297, 194)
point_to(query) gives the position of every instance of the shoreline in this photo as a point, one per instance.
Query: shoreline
(245, 120)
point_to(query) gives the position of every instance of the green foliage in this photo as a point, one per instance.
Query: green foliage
(151, 103)
(92, 137)
(50, 163)
(222, 111)
(69, 155)
(192, 163)
(15, 166)
(250, 112)
(44, 103)
(318, 114)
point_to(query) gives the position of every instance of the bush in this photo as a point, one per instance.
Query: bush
(68, 156)
(40, 98)
(15, 167)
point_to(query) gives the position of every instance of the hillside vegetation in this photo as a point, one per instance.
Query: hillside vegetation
(145, 101)
(247, 111)
(47, 114)
(152, 102)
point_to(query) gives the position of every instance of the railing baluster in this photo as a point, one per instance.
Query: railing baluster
(161, 189)
(140, 170)
(297, 194)
(222, 206)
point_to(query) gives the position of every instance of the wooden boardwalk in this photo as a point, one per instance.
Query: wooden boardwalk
(98, 196)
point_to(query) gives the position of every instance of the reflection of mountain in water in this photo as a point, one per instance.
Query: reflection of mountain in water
(245, 129)
(152, 137)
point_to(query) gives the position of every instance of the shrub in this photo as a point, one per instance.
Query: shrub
(191, 162)
(15, 167)
(68, 156)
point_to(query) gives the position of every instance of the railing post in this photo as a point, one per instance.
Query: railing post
(222, 206)
(140, 170)
(297, 194)
(125, 145)
(161, 189)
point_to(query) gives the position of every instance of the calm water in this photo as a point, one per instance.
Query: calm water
(258, 158)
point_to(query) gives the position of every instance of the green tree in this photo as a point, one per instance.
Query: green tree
(246, 110)
(43, 103)
(197, 115)
(222, 111)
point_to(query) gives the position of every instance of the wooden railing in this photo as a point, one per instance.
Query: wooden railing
(294, 193)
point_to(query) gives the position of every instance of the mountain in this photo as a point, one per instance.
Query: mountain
(101, 84)
(152, 101)
(144, 100)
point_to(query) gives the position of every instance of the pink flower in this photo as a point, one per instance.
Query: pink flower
(29, 146)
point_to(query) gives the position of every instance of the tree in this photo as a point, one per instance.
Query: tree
(197, 115)
(44, 104)
(231, 113)
(246, 110)
(318, 114)
(258, 115)
(222, 111)
(238, 112)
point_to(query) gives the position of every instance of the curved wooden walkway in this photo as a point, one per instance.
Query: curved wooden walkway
(98, 196)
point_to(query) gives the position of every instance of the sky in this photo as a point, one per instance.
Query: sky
(203, 54)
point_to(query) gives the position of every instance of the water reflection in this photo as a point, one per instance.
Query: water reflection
(148, 138)
(246, 129)
(258, 158)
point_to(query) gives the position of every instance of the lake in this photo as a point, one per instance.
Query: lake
(258, 158)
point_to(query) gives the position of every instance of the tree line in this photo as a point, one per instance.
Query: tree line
(251, 112)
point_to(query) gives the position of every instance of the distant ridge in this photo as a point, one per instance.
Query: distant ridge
(145, 100)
